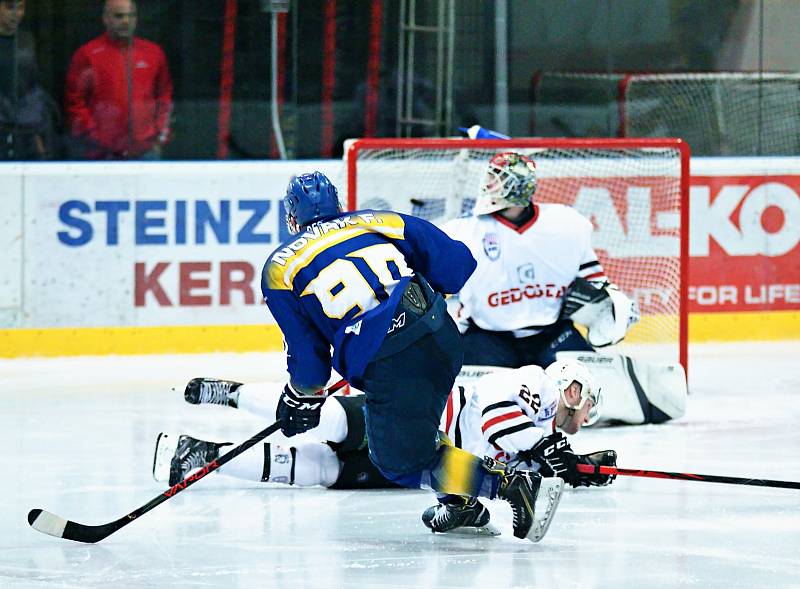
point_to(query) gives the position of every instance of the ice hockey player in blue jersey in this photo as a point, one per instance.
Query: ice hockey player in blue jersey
(362, 292)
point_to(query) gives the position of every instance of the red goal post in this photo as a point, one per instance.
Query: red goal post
(635, 192)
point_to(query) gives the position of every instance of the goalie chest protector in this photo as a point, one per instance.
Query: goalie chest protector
(524, 272)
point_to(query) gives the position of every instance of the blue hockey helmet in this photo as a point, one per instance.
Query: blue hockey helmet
(310, 198)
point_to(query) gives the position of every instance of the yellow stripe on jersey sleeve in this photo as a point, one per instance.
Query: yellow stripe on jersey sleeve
(389, 219)
(275, 277)
(306, 247)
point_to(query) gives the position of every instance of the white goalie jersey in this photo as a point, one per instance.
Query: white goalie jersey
(523, 272)
(501, 413)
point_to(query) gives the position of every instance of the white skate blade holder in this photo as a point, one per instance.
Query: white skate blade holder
(547, 499)
(166, 444)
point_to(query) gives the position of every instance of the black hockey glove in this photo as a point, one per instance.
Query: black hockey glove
(602, 458)
(580, 294)
(556, 458)
(298, 413)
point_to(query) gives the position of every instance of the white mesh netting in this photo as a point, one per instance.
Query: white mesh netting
(717, 113)
(633, 196)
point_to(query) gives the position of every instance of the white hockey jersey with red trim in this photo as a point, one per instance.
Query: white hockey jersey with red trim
(524, 272)
(501, 413)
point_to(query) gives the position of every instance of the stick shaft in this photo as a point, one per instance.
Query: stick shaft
(685, 476)
(54, 525)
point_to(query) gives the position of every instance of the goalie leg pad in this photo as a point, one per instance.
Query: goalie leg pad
(634, 391)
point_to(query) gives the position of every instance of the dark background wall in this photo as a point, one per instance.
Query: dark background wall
(600, 36)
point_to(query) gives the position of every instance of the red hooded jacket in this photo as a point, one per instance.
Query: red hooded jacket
(118, 98)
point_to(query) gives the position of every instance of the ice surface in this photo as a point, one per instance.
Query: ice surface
(78, 436)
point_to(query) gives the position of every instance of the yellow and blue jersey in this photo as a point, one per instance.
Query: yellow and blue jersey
(337, 285)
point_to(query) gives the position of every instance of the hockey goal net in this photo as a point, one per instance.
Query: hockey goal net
(717, 113)
(635, 192)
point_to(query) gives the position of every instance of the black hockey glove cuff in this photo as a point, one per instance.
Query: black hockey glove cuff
(556, 458)
(298, 413)
(580, 294)
(602, 458)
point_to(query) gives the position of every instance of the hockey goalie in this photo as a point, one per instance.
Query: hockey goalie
(537, 278)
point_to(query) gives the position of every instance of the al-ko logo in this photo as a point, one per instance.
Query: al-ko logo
(641, 221)
(744, 220)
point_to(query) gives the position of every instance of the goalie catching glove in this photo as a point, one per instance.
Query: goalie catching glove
(605, 310)
(297, 412)
(555, 458)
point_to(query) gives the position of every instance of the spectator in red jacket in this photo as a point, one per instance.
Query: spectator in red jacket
(118, 95)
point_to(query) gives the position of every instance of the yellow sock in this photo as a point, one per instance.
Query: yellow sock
(458, 472)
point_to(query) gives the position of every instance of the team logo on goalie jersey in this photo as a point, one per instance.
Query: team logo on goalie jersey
(525, 273)
(491, 246)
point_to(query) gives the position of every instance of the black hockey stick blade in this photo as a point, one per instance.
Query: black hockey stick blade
(48, 523)
(54, 525)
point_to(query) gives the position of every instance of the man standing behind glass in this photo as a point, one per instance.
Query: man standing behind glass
(118, 95)
(28, 115)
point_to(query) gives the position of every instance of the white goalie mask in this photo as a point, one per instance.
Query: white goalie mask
(510, 181)
(563, 373)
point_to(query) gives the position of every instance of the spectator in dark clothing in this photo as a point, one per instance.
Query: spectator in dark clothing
(118, 95)
(28, 115)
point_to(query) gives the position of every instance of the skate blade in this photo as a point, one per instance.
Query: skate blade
(488, 531)
(548, 497)
(166, 444)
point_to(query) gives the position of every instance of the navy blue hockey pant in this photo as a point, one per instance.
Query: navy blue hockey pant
(406, 387)
(501, 348)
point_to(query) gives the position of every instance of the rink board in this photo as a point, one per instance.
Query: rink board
(703, 327)
(121, 258)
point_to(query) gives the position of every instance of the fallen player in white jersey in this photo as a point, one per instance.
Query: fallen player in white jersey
(537, 276)
(509, 415)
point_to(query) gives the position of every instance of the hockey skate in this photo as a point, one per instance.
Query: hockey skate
(533, 499)
(459, 515)
(177, 456)
(212, 391)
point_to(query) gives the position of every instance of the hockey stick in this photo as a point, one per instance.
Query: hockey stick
(49, 523)
(54, 525)
(685, 476)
